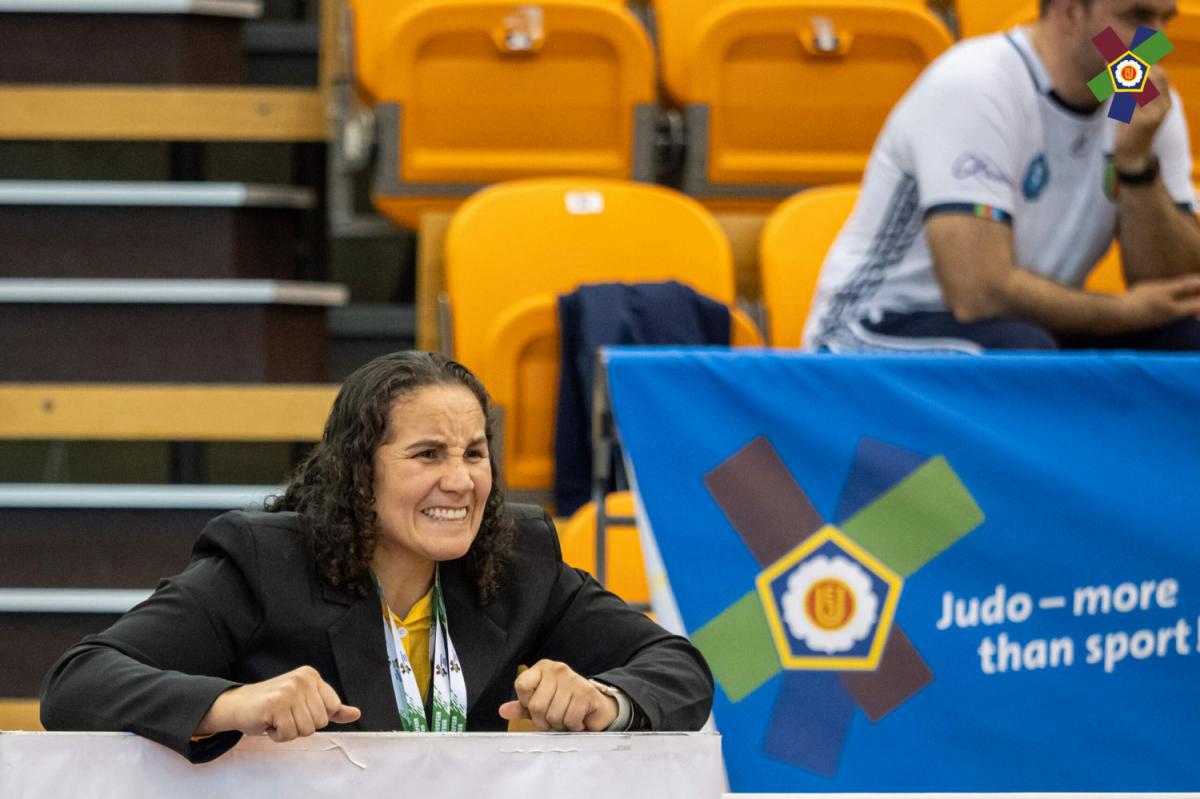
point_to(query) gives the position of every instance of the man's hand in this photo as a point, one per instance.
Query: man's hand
(289, 706)
(557, 698)
(1133, 145)
(1153, 303)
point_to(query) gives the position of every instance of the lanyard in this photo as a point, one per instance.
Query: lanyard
(449, 690)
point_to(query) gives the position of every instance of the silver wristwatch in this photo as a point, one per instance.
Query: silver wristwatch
(624, 717)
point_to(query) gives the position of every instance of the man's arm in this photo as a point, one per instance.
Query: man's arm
(1158, 238)
(974, 263)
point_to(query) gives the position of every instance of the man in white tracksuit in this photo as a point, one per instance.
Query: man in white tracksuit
(997, 184)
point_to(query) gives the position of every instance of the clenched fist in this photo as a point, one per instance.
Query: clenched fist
(292, 705)
(556, 698)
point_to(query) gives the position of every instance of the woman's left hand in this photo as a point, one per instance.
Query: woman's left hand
(556, 698)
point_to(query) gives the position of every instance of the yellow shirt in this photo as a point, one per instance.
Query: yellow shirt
(416, 640)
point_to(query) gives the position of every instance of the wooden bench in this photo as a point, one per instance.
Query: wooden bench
(19, 714)
(76, 557)
(108, 112)
(121, 412)
(172, 113)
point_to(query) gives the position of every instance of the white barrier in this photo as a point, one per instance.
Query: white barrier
(472, 765)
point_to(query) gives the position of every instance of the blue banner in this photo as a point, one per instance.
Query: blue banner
(931, 573)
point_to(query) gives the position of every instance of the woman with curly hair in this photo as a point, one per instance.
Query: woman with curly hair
(388, 588)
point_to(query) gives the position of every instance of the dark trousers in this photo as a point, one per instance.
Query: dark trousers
(1002, 333)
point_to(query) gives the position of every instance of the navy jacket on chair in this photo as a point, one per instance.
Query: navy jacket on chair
(606, 314)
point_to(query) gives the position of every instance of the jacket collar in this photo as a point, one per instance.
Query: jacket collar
(360, 653)
(478, 632)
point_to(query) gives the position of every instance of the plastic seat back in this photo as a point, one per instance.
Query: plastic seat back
(522, 374)
(1106, 277)
(513, 248)
(780, 94)
(471, 92)
(625, 571)
(372, 21)
(1183, 66)
(793, 247)
(678, 22)
(547, 236)
(977, 17)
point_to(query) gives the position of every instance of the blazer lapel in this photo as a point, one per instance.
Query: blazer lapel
(478, 639)
(360, 654)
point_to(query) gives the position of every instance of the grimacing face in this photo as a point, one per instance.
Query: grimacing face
(432, 475)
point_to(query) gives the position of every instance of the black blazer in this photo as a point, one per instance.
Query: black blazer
(250, 606)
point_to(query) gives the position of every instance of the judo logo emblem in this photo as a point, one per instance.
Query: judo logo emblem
(829, 604)
(1127, 77)
(821, 614)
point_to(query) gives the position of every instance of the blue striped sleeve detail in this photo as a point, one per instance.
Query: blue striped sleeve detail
(971, 209)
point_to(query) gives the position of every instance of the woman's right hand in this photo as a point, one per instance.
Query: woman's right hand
(292, 705)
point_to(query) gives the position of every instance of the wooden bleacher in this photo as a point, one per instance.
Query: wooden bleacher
(99, 110)
(77, 556)
(19, 714)
(161, 113)
(110, 546)
(122, 412)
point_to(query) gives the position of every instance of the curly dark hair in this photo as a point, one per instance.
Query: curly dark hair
(333, 488)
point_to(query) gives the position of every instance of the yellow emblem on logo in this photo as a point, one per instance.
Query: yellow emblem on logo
(821, 606)
(829, 603)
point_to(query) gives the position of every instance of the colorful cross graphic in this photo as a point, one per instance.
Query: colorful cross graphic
(1127, 75)
(822, 608)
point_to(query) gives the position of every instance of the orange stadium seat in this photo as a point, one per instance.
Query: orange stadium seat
(1183, 67)
(625, 571)
(512, 248)
(1106, 277)
(977, 17)
(779, 94)
(470, 92)
(793, 246)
